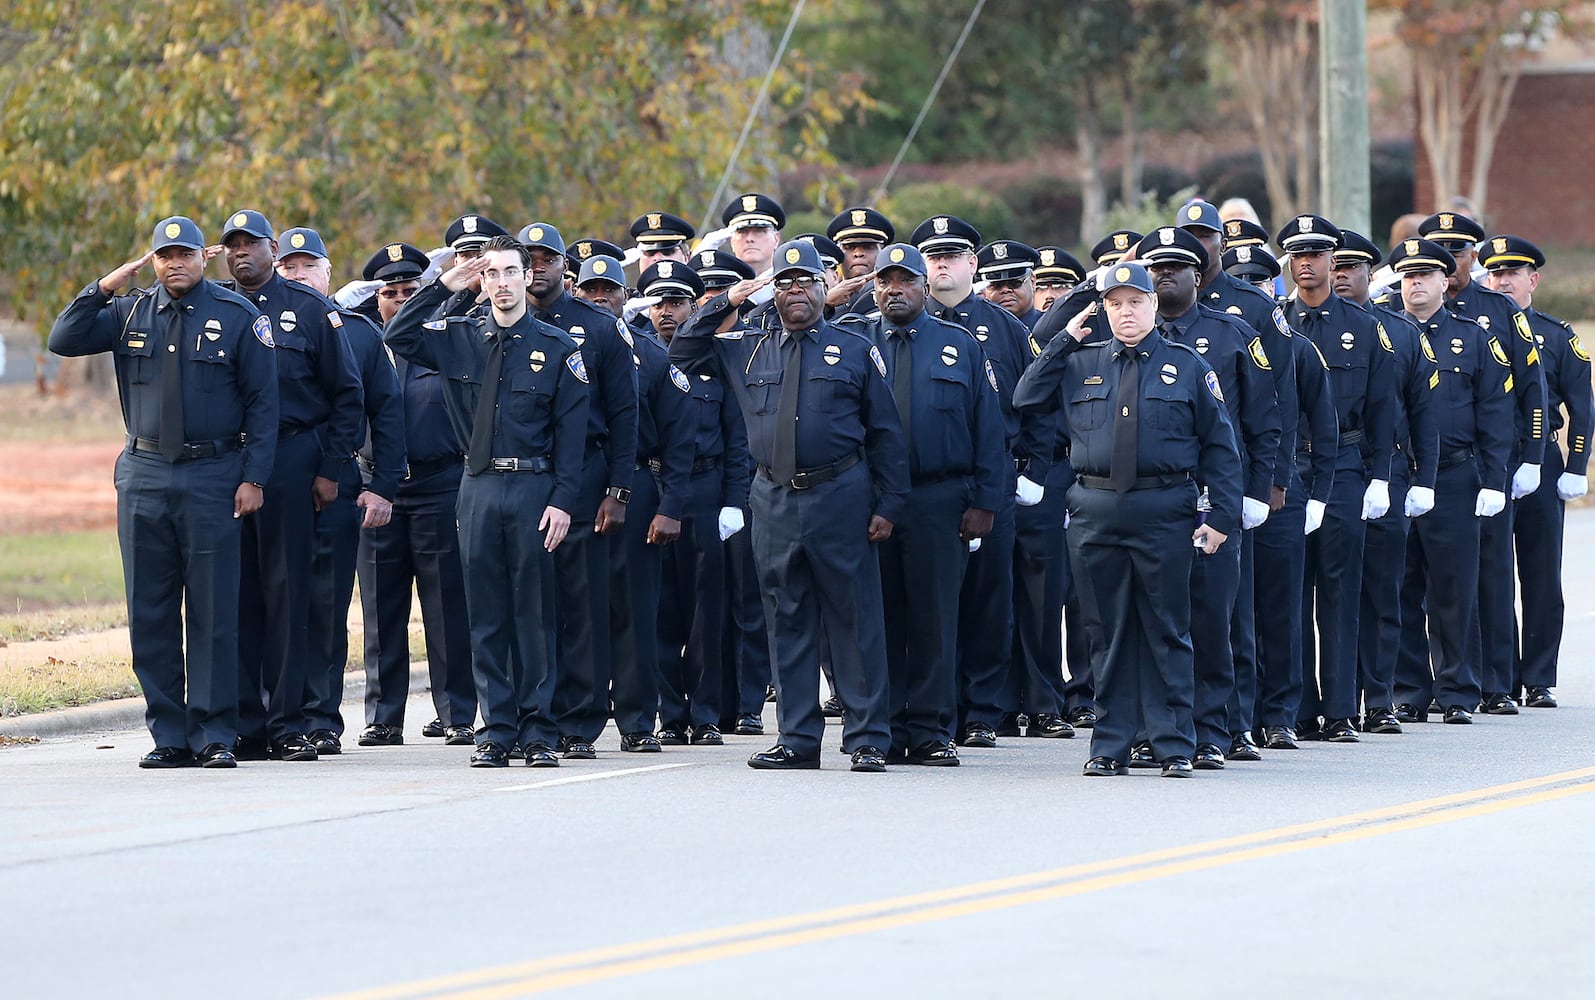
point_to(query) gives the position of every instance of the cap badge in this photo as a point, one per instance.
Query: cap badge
(706, 259)
(599, 267)
(1410, 247)
(584, 249)
(1500, 244)
(938, 225)
(1304, 224)
(750, 203)
(792, 255)
(536, 233)
(468, 223)
(1165, 236)
(1000, 251)
(1048, 258)
(172, 230)
(665, 268)
(859, 217)
(1447, 220)
(1121, 241)
(297, 240)
(1122, 274)
(654, 221)
(1193, 213)
(896, 255)
(395, 252)
(1232, 228)
(240, 219)
(1243, 254)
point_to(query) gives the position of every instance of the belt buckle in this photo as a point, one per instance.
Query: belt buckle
(800, 481)
(192, 450)
(505, 464)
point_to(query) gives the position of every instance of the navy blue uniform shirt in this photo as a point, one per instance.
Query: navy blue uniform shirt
(384, 447)
(1362, 373)
(664, 434)
(1567, 381)
(606, 350)
(1317, 419)
(1472, 395)
(1417, 433)
(1229, 294)
(1501, 319)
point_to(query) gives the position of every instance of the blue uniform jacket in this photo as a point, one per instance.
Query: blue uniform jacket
(664, 433)
(606, 350)
(1567, 381)
(1473, 394)
(1417, 433)
(1362, 372)
(384, 447)
(1501, 319)
(1229, 294)
(1317, 418)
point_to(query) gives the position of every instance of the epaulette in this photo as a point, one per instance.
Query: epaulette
(1187, 348)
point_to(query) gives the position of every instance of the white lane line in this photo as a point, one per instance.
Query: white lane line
(573, 779)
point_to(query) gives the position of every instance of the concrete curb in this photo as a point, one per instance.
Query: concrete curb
(128, 713)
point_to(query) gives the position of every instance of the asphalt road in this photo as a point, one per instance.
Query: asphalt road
(1449, 860)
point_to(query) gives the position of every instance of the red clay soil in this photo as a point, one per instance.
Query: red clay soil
(53, 486)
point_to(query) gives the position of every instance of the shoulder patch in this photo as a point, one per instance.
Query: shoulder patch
(991, 376)
(1211, 380)
(1498, 354)
(262, 328)
(1280, 321)
(730, 335)
(577, 368)
(1522, 323)
(680, 379)
(625, 334)
(1384, 338)
(880, 362)
(1428, 349)
(1258, 354)
(1577, 347)
(335, 319)
(434, 324)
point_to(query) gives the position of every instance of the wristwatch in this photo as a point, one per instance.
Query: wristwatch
(619, 493)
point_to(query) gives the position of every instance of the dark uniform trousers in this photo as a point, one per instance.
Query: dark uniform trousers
(1243, 641)
(180, 563)
(1497, 594)
(1537, 526)
(1333, 576)
(581, 691)
(1040, 582)
(692, 619)
(634, 572)
(1131, 556)
(816, 564)
(1078, 691)
(419, 547)
(332, 572)
(274, 596)
(1442, 578)
(985, 622)
(1279, 564)
(1215, 582)
(922, 567)
(749, 671)
(1384, 560)
(512, 627)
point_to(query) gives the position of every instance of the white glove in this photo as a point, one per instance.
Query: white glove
(1376, 502)
(1571, 487)
(731, 522)
(435, 258)
(1491, 503)
(1315, 515)
(1525, 480)
(1029, 494)
(637, 306)
(355, 292)
(1420, 500)
(1253, 513)
(974, 546)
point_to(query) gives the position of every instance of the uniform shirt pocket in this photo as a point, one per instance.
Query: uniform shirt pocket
(214, 368)
(1168, 408)
(831, 390)
(135, 353)
(949, 389)
(293, 356)
(1088, 407)
(764, 391)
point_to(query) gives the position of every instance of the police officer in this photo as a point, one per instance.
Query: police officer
(366, 490)
(1473, 407)
(1174, 258)
(755, 221)
(466, 236)
(825, 436)
(1057, 271)
(319, 423)
(1361, 364)
(1252, 265)
(661, 236)
(601, 281)
(517, 393)
(861, 232)
(1007, 266)
(1113, 246)
(985, 628)
(1412, 476)
(1514, 266)
(419, 549)
(581, 690)
(1501, 319)
(946, 396)
(1133, 510)
(198, 385)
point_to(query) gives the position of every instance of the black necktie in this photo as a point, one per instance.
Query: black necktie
(902, 379)
(784, 447)
(481, 450)
(171, 428)
(1122, 463)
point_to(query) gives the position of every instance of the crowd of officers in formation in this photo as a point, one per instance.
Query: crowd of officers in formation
(903, 464)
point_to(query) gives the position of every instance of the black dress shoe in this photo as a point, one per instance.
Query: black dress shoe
(490, 754)
(1208, 758)
(435, 729)
(1499, 704)
(1011, 724)
(217, 755)
(541, 755)
(381, 736)
(1240, 748)
(1309, 731)
(1279, 738)
(769, 694)
(167, 757)
(932, 753)
(1539, 697)
(1103, 767)
(783, 758)
(869, 759)
(459, 736)
(326, 742)
(831, 708)
(1456, 715)
(1341, 731)
(749, 724)
(1050, 727)
(1381, 721)
(672, 736)
(294, 746)
(1177, 767)
(516, 752)
(707, 736)
(1408, 713)
(1141, 755)
(251, 748)
(1081, 717)
(978, 734)
(639, 743)
(573, 748)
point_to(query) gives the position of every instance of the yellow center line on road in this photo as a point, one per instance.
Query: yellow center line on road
(611, 962)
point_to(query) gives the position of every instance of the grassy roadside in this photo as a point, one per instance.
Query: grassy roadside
(71, 569)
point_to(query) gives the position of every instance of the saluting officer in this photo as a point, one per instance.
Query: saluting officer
(1473, 406)
(1412, 475)
(1057, 271)
(1133, 510)
(319, 422)
(1174, 258)
(946, 396)
(661, 236)
(861, 233)
(1514, 265)
(466, 236)
(366, 491)
(581, 690)
(755, 221)
(1501, 319)
(824, 433)
(198, 383)
(517, 393)
(1007, 267)
(985, 627)
(1361, 364)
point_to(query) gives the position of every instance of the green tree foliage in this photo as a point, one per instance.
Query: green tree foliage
(379, 120)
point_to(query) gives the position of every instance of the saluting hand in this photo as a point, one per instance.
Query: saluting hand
(119, 277)
(743, 290)
(1076, 326)
(844, 290)
(213, 251)
(463, 273)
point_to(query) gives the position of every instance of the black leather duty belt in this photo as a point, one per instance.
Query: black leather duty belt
(810, 478)
(1140, 483)
(541, 464)
(191, 449)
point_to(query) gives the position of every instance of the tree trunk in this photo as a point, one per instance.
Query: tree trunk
(1130, 137)
(1088, 143)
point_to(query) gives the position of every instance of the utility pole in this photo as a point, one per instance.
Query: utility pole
(1343, 112)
